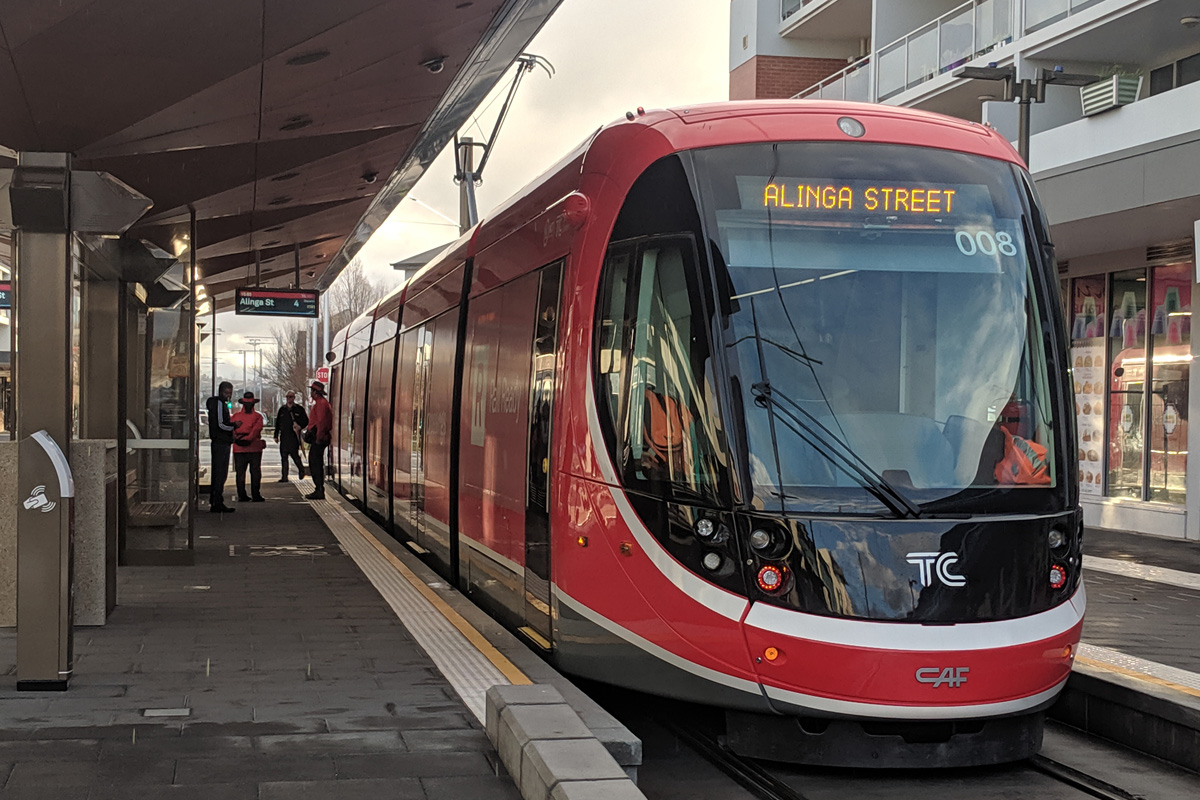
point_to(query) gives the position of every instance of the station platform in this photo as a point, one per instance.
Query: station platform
(270, 669)
(307, 655)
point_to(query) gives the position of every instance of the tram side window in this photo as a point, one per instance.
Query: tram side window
(655, 364)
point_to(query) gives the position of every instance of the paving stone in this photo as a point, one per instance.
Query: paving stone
(209, 791)
(332, 743)
(490, 788)
(413, 765)
(376, 789)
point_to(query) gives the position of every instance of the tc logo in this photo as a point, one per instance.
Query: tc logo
(939, 564)
(38, 499)
(953, 677)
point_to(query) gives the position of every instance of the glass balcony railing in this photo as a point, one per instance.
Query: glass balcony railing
(789, 7)
(958, 36)
(852, 83)
(1040, 13)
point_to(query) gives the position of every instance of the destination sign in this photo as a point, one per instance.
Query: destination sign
(6, 294)
(863, 197)
(277, 302)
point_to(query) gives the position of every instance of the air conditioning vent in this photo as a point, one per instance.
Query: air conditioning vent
(1169, 253)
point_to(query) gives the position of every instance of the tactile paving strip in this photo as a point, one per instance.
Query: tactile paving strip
(1139, 667)
(1145, 572)
(465, 667)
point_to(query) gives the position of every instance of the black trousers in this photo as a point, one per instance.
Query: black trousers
(254, 462)
(219, 472)
(316, 466)
(292, 452)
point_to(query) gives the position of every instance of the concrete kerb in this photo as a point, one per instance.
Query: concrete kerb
(548, 750)
(1141, 715)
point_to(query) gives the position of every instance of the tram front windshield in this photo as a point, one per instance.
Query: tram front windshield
(882, 326)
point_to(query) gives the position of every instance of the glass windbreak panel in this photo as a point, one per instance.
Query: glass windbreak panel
(1127, 371)
(993, 24)
(1087, 370)
(158, 435)
(1170, 363)
(1043, 12)
(881, 326)
(957, 45)
(922, 55)
(892, 70)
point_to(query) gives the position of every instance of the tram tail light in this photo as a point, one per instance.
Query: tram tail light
(1058, 576)
(771, 579)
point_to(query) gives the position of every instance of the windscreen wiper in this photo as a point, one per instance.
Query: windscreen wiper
(825, 441)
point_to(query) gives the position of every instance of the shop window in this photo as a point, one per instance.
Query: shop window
(1087, 359)
(1127, 383)
(1170, 348)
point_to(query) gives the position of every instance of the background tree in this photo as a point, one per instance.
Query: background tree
(351, 294)
(285, 361)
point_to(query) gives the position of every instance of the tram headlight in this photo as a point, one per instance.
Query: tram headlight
(712, 561)
(759, 539)
(710, 531)
(1058, 576)
(1056, 538)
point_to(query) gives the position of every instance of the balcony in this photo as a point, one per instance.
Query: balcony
(1040, 13)
(967, 32)
(825, 20)
(958, 36)
(852, 83)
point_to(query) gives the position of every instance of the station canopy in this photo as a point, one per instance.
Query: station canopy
(280, 122)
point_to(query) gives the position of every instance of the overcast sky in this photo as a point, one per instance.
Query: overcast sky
(609, 57)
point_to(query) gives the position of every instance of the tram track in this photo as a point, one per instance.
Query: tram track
(1082, 781)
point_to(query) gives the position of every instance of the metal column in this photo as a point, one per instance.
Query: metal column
(45, 519)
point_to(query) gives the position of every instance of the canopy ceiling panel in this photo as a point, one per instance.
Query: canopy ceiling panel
(277, 122)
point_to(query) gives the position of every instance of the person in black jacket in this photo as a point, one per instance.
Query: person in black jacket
(220, 431)
(290, 420)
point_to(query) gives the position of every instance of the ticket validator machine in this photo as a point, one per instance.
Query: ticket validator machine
(45, 584)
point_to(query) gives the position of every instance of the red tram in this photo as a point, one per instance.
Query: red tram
(762, 406)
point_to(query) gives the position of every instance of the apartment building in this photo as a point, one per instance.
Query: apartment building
(1117, 164)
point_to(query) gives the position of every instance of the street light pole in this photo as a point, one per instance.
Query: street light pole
(1024, 91)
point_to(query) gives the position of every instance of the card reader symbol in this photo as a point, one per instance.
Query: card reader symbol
(38, 499)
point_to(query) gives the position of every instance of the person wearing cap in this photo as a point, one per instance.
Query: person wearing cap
(290, 420)
(248, 446)
(318, 436)
(221, 428)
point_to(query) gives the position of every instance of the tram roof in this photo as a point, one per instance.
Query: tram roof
(283, 125)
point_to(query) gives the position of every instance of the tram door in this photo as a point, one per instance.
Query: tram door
(537, 499)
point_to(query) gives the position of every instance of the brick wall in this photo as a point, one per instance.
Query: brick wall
(771, 77)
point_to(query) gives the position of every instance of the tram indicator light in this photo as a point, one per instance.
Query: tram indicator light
(1058, 576)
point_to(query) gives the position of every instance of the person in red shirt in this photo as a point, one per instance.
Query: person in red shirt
(248, 446)
(318, 435)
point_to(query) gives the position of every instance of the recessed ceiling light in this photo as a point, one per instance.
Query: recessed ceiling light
(268, 244)
(1190, 22)
(311, 57)
(986, 97)
(285, 176)
(465, 5)
(296, 123)
(273, 228)
(280, 200)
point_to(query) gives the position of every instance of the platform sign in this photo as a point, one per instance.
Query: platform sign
(277, 302)
(5, 294)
